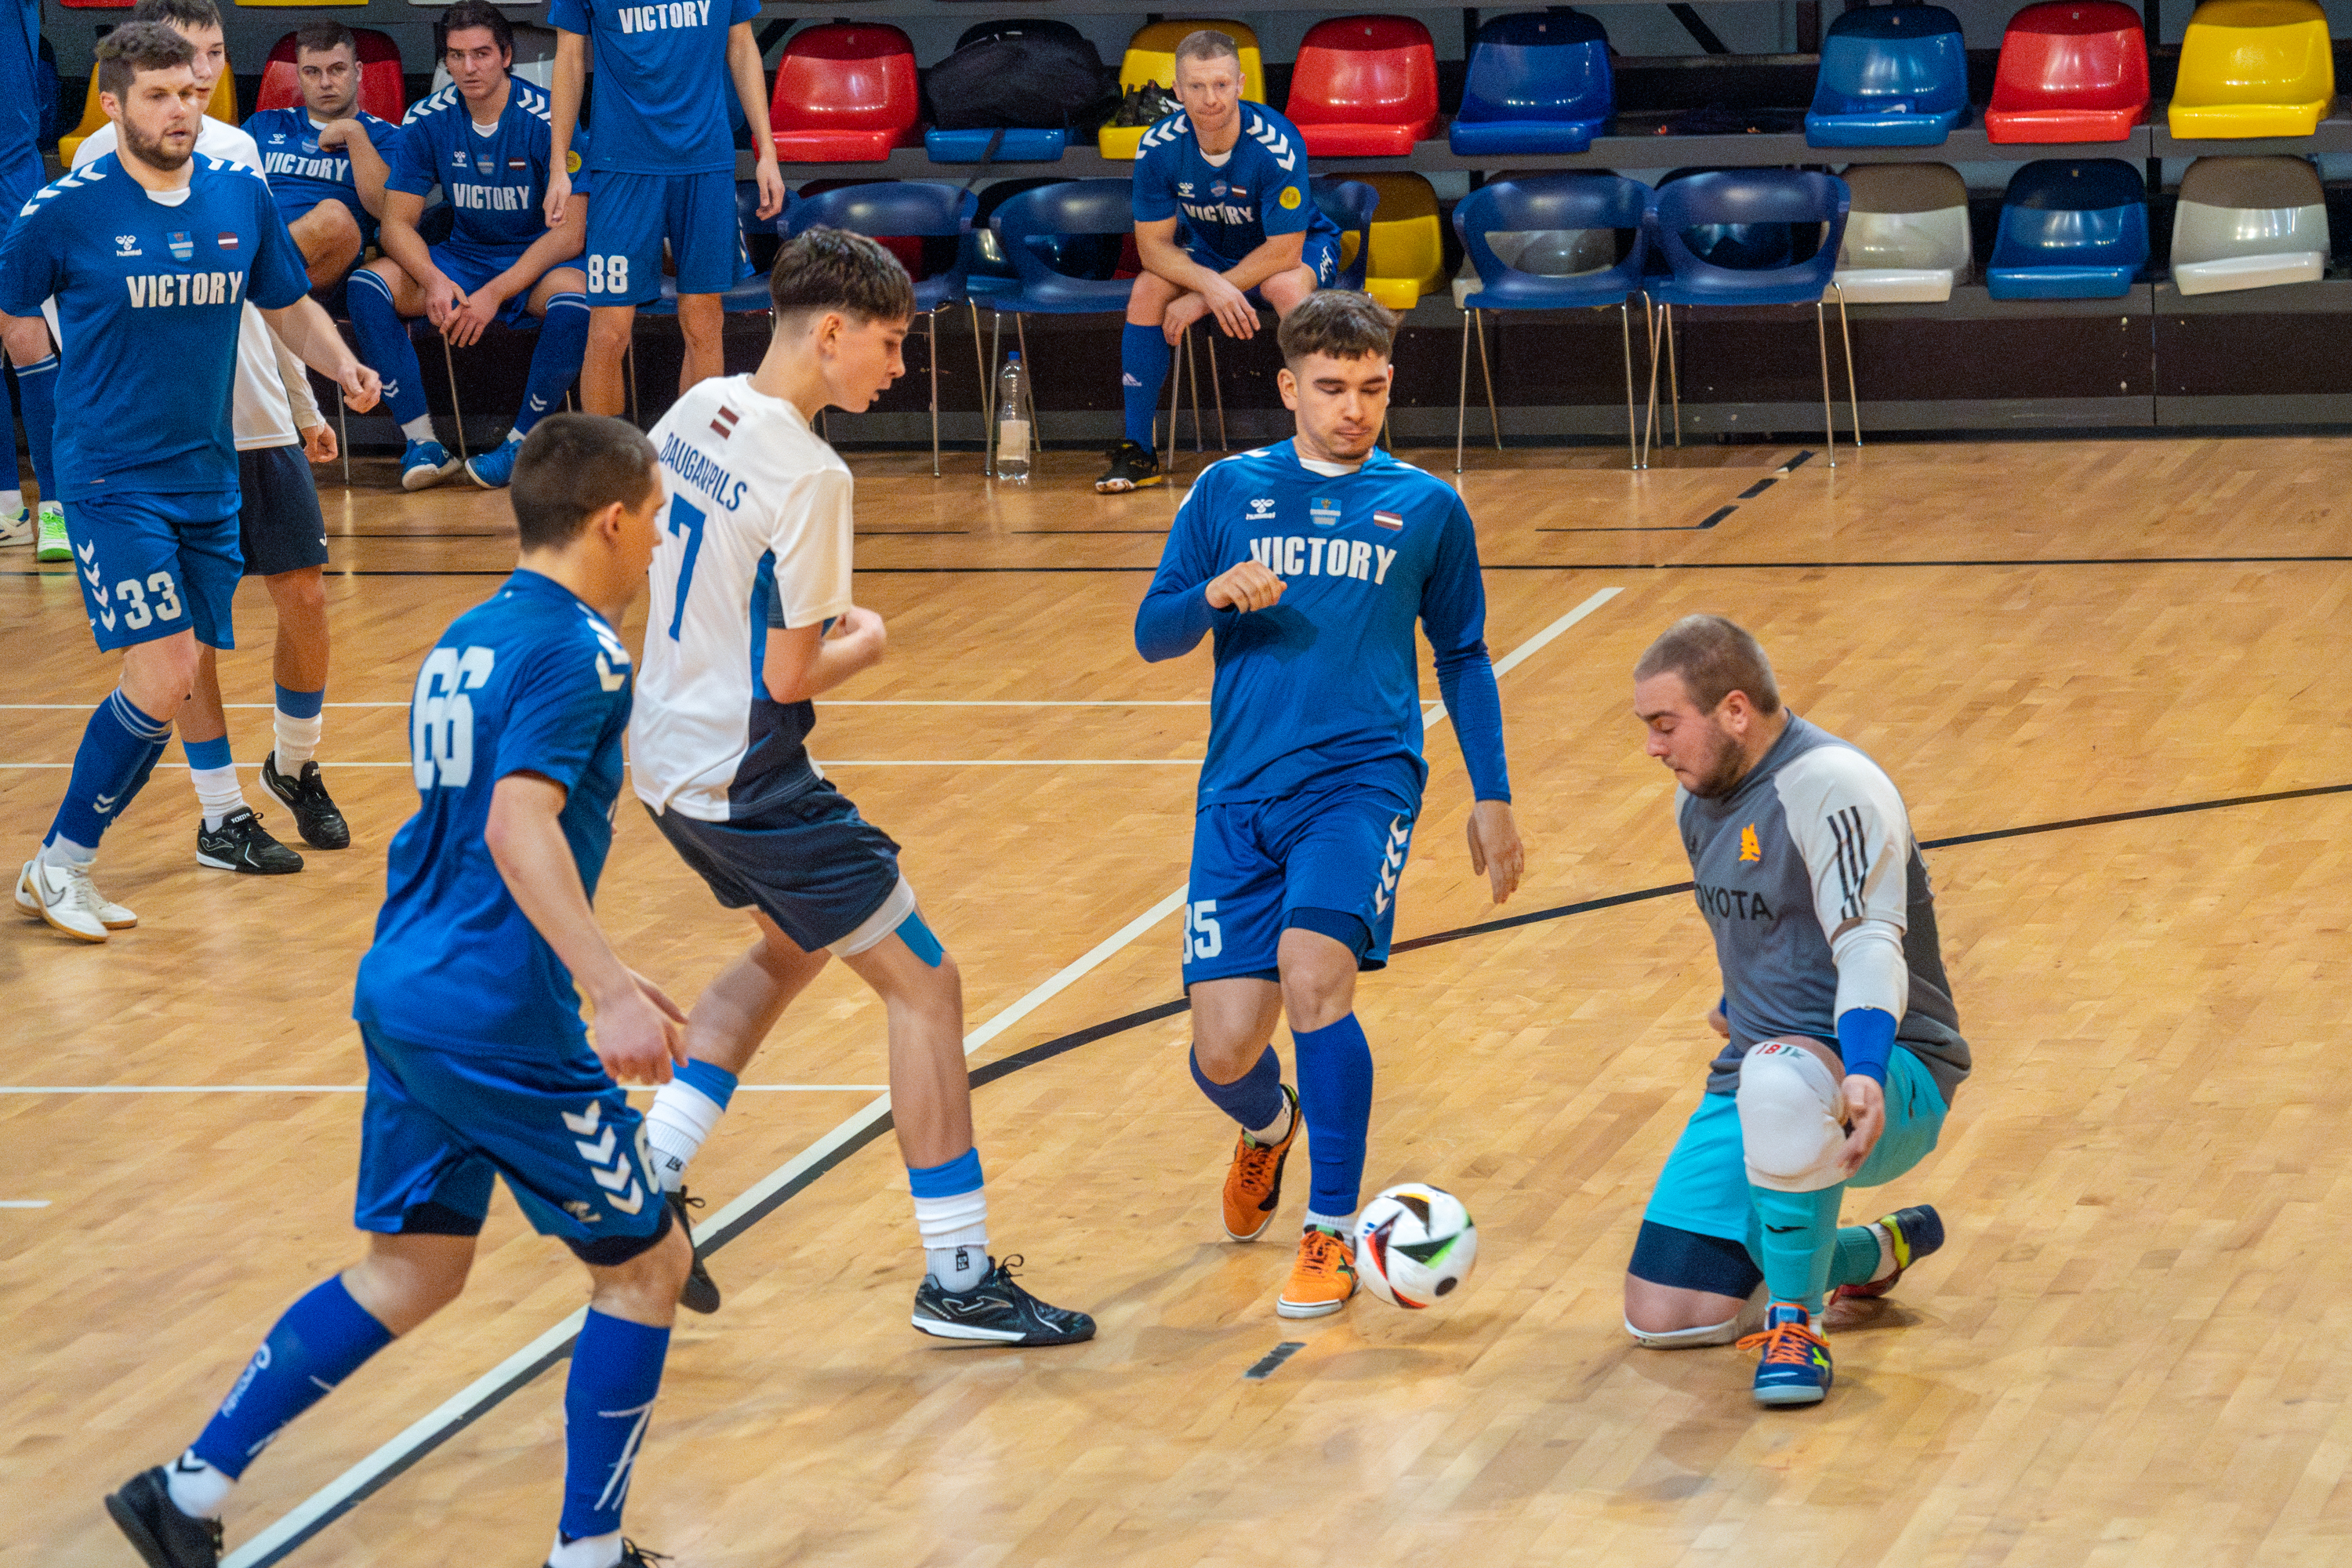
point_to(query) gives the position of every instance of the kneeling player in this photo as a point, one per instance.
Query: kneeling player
(484, 141)
(478, 1065)
(1311, 560)
(759, 521)
(1844, 1046)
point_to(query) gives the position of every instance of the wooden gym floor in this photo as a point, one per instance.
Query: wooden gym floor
(2130, 1352)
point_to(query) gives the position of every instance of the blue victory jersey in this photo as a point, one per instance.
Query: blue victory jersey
(494, 183)
(20, 94)
(149, 295)
(660, 98)
(1327, 679)
(1260, 190)
(532, 681)
(302, 173)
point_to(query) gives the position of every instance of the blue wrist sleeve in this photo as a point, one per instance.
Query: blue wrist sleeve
(1866, 1039)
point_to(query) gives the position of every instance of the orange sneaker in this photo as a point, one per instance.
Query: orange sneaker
(1253, 1182)
(1323, 1278)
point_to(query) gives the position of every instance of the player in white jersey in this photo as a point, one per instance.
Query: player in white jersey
(283, 536)
(752, 571)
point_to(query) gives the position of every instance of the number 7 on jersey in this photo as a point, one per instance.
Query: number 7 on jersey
(684, 519)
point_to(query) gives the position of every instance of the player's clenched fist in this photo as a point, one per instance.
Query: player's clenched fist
(1248, 587)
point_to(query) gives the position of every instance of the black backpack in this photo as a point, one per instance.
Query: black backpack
(1022, 75)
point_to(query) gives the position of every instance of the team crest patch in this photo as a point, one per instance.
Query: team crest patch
(1750, 849)
(226, 239)
(1325, 511)
(183, 244)
(571, 163)
(1389, 520)
(1290, 198)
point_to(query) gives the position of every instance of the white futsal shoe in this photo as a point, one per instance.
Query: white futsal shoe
(66, 900)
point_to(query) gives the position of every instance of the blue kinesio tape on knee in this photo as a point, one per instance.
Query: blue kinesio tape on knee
(920, 939)
(957, 1177)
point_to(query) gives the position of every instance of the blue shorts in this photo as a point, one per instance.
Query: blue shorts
(811, 865)
(470, 268)
(151, 565)
(1703, 1188)
(631, 215)
(439, 1125)
(1338, 846)
(1321, 256)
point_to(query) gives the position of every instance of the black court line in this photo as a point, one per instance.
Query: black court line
(1054, 532)
(1712, 518)
(1004, 1066)
(1264, 1367)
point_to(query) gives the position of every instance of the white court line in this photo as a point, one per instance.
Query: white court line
(826, 762)
(289, 1529)
(828, 702)
(362, 1089)
(23, 1202)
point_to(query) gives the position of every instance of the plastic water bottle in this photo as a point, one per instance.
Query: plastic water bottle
(1012, 421)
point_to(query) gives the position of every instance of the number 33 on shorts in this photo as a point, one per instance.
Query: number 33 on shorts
(608, 275)
(137, 613)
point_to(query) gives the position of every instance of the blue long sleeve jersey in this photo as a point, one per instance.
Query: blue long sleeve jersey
(1327, 679)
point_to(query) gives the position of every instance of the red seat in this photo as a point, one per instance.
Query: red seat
(845, 93)
(2072, 71)
(1364, 87)
(99, 4)
(381, 91)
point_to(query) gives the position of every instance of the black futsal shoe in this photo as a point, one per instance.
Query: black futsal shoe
(700, 1292)
(996, 1311)
(1132, 467)
(165, 1537)
(315, 817)
(241, 844)
(636, 1556)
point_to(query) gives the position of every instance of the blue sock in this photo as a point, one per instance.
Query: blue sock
(712, 1079)
(616, 1370)
(205, 754)
(320, 1340)
(1793, 1238)
(1335, 1095)
(118, 749)
(555, 362)
(301, 704)
(385, 345)
(36, 405)
(1254, 1099)
(1144, 357)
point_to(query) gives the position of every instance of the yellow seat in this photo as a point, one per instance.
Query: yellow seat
(1408, 241)
(222, 106)
(1151, 58)
(2254, 67)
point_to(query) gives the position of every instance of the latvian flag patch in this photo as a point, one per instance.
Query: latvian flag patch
(724, 425)
(1388, 520)
(226, 239)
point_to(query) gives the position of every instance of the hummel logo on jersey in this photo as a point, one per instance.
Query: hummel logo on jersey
(1261, 510)
(1750, 849)
(183, 244)
(155, 290)
(1183, 187)
(277, 137)
(651, 18)
(724, 425)
(457, 158)
(127, 245)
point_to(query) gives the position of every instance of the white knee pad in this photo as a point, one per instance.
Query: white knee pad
(1791, 1118)
(1749, 1318)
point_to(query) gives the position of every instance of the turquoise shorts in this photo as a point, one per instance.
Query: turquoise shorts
(1704, 1188)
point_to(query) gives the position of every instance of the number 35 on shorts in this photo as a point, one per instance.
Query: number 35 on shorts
(608, 275)
(1203, 936)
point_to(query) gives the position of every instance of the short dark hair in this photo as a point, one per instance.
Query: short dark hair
(1207, 43)
(473, 13)
(1715, 658)
(138, 46)
(190, 15)
(832, 269)
(573, 466)
(1338, 322)
(326, 34)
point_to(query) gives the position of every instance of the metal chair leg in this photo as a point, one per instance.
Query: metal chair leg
(1651, 312)
(343, 429)
(1176, 400)
(1853, 399)
(1829, 423)
(931, 342)
(1674, 376)
(1493, 417)
(1462, 393)
(988, 396)
(629, 361)
(1217, 391)
(1625, 326)
(449, 364)
(980, 366)
(1192, 370)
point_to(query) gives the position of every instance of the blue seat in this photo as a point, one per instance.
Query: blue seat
(1549, 203)
(748, 295)
(1891, 76)
(2071, 228)
(1538, 82)
(1349, 204)
(885, 209)
(1045, 219)
(1809, 204)
(1020, 144)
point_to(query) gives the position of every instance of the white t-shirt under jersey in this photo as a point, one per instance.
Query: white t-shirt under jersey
(756, 532)
(272, 387)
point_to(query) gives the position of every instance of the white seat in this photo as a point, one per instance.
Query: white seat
(1546, 252)
(2249, 223)
(1907, 237)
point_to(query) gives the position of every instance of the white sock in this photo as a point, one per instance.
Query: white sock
(588, 1552)
(12, 501)
(1885, 1253)
(419, 428)
(957, 1267)
(217, 793)
(65, 853)
(680, 1119)
(1342, 1223)
(514, 437)
(197, 1489)
(1275, 1131)
(297, 739)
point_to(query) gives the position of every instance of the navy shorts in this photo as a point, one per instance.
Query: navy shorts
(630, 216)
(279, 525)
(1339, 846)
(1321, 256)
(151, 565)
(824, 874)
(440, 1124)
(469, 269)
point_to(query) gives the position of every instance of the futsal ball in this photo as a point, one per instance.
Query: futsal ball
(1415, 1245)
